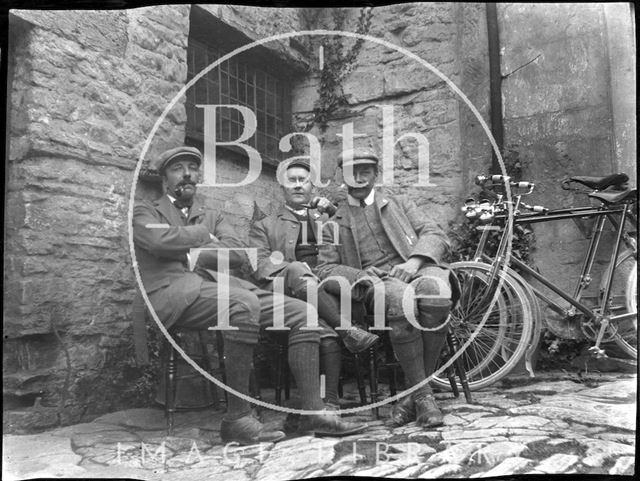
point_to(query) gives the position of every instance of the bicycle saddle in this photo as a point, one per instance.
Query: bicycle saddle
(615, 197)
(600, 183)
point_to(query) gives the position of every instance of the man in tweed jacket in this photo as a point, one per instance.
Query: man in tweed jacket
(385, 237)
(186, 292)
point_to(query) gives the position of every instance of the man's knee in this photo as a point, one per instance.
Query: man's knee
(298, 279)
(245, 302)
(297, 315)
(433, 297)
(401, 330)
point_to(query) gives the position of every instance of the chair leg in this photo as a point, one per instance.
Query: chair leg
(373, 378)
(360, 379)
(279, 376)
(451, 373)
(210, 388)
(460, 368)
(171, 388)
(221, 362)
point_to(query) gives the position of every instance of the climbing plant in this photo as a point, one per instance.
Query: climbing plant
(338, 60)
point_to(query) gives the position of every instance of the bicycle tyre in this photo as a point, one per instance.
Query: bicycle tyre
(503, 340)
(624, 299)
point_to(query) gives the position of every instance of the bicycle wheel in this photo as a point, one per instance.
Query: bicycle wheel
(536, 318)
(493, 350)
(624, 298)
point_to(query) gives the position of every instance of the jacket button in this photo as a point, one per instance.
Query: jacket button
(290, 242)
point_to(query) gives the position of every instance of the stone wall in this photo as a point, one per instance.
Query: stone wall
(87, 87)
(558, 112)
(422, 102)
(86, 91)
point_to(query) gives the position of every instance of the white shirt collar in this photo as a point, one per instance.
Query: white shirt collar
(368, 200)
(185, 210)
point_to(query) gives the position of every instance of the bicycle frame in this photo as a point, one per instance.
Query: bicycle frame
(601, 214)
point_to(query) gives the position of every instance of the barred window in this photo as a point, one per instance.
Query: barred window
(245, 79)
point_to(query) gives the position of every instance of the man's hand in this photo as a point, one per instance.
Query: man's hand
(375, 272)
(323, 205)
(407, 270)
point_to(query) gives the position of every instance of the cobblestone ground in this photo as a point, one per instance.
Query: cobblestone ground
(555, 423)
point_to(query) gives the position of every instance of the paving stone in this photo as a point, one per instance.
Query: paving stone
(348, 460)
(141, 418)
(37, 453)
(623, 392)
(489, 440)
(456, 454)
(408, 429)
(410, 472)
(552, 387)
(473, 416)
(313, 454)
(506, 467)
(503, 403)
(425, 436)
(495, 453)
(313, 474)
(411, 449)
(377, 471)
(60, 470)
(452, 420)
(598, 450)
(104, 437)
(526, 432)
(471, 407)
(85, 428)
(528, 422)
(472, 434)
(617, 437)
(440, 471)
(486, 422)
(557, 463)
(527, 439)
(624, 465)
(579, 409)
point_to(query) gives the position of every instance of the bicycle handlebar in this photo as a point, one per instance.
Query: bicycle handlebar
(482, 181)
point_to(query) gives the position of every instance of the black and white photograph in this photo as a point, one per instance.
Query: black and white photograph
(327, 240)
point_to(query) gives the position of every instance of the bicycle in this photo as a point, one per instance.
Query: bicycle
(613, 315)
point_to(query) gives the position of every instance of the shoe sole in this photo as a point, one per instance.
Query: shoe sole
(333, 434)
(252, 442)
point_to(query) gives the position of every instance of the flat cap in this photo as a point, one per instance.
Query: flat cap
(357, 157)
(168, 156)
(304, 163)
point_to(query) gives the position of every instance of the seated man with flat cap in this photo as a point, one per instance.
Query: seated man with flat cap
(287, 248)
(164, 233)
(385, 237)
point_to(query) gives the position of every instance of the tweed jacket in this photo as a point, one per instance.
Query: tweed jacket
(161, 253)
(279, 232)
(411, 233)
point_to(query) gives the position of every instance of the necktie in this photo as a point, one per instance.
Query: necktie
(182, 208)
(363, 204)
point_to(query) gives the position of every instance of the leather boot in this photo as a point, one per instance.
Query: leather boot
(427, 412)
(403, 412)
(247, 430)
(329, 424)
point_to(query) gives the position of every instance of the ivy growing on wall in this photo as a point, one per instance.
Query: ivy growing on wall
(338, 59)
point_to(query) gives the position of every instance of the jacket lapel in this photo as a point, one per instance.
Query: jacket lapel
(197, 210)
(169, 211)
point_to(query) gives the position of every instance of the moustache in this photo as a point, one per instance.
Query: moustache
(181, 185)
